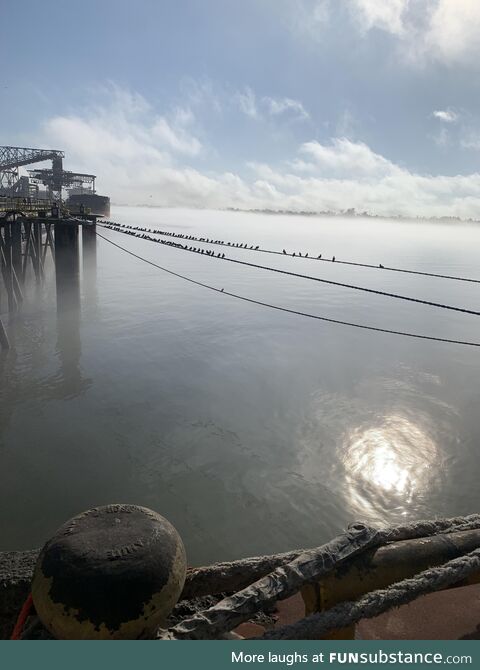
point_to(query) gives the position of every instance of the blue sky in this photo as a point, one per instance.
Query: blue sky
(298, 104)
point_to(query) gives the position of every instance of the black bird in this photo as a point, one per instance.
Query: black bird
(300, 254)
(223, 255)
(284, 252)
(319, 256)
(306, 255)
(293, 254)
(256, 248)
(221, 291)
(333, 259)
(380, 266)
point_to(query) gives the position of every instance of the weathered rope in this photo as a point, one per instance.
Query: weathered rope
(234, 575)
(279, 584)
(308, 567)
(376, 602)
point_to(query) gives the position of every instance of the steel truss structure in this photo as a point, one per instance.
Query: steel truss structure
(55, 179)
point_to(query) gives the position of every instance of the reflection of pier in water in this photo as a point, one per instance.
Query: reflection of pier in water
(26, 247)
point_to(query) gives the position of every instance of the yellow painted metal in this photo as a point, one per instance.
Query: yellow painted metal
(378, 568)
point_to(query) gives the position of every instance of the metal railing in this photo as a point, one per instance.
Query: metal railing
(27, 206)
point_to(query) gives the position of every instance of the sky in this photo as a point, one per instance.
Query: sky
(281, 104)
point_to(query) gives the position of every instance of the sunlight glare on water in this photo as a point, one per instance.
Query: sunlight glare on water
(393, 461)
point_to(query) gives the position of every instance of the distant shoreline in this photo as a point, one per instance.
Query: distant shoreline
(349, 213)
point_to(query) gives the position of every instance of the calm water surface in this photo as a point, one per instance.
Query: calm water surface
(251, 430)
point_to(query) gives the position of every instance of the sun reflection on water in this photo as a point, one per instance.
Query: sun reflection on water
(388, 466)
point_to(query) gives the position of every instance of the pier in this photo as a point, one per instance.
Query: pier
(35, 220)
(29, 231)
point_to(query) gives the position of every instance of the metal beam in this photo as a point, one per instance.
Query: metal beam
(11, 158)
(14, 157)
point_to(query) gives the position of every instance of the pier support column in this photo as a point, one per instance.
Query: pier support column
(89, 248)
(67, 266)
(37, 246)
(89, 277)
(4, 343)
(67, 274)
(16, 240)
(14, 255)
(7, 268)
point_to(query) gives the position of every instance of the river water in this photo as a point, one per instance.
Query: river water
(252, 430)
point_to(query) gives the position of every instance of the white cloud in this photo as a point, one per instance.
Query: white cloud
(175, 138)
(277, 106)
(383, 14)
(345, 157)
(446, 115)
(258, 109)
(139, 158)
(445, 31)
(452, 34)
(401, 192)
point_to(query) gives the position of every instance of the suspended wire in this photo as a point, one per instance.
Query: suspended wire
(231, 245)
(354, 287)
(286, 309)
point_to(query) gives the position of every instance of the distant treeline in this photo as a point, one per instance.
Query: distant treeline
(353, 213)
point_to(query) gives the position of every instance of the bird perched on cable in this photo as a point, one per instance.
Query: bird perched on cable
(299, 254)
(256, 248)
(333, 259)
(284, 252)
(319, 256)
(380, 266)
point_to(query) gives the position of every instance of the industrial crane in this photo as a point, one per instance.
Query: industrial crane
(56, 178)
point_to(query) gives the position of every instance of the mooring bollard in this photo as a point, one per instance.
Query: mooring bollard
(112, 572)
